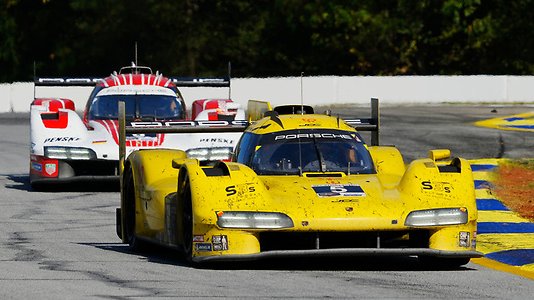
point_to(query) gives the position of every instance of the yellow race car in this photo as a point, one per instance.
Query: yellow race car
(300, 184)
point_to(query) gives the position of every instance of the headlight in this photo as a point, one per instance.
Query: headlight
(213, 154)
(69, 153)
(435, 217)
(253, 220)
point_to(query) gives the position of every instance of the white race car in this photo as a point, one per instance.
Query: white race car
(66, 147)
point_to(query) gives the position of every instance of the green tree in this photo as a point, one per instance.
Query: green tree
(266, 37)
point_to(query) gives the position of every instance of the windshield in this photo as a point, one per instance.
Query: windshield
(289, 152)
(138, 107)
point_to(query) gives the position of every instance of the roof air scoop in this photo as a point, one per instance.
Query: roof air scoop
(134, 69)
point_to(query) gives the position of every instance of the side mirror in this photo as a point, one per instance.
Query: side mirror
(438, 154)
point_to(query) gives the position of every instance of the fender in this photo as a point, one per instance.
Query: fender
(63, 127)
(154, 179)
(225, 186)
(387, 160)
(425, 183)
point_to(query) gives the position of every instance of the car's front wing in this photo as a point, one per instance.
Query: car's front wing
(340, 252)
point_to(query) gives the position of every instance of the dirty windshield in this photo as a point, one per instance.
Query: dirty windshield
(296, 151)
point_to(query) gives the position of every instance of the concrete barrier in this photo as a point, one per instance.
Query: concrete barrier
(323, 90)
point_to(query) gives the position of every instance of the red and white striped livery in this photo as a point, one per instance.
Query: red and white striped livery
(66, 147)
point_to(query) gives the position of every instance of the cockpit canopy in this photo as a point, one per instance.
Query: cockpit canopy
(143, 103)
(294, 151)
(138, 107)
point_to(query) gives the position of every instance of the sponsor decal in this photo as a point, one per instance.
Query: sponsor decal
(312, 135)
(50, 169)
(217, 140)
(239, 189)
(37, 167)
(198, 238)
(61, 139)
(220, 242)
(344, 200)
(427, 185)
(464, 239)
(442, 187)
(202, 246)
(230, 190)
(338, 190)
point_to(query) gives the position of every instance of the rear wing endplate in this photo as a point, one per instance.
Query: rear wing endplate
(369, 124)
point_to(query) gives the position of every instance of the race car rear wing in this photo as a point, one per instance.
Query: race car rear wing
(172, 127)
(257, 109)
(92, 81)
(200, 82)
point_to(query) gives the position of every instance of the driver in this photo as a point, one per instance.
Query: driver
(335, 157)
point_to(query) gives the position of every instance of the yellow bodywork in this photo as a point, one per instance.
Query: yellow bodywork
(388, 197)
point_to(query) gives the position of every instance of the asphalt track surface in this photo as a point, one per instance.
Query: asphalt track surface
(63, 244)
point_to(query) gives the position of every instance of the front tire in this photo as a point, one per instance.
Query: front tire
(134, 243)
(184, 198)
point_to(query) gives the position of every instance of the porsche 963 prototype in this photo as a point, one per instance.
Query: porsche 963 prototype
(301, 184)
(66, 147)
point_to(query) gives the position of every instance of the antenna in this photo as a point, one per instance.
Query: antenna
(136, 53)
(34, 76)
(301, 94)
(230, 80)
(300, 157)
(302, 113)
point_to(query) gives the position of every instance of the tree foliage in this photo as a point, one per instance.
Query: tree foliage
(266, 37)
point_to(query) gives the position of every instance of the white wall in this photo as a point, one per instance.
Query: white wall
(320, 90)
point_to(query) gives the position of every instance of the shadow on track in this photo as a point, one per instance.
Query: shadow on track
(155, 254)
(22, 182)
(162, 255)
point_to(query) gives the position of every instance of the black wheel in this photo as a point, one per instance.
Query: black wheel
(443, 262)
(184, 199)
(129, 212)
